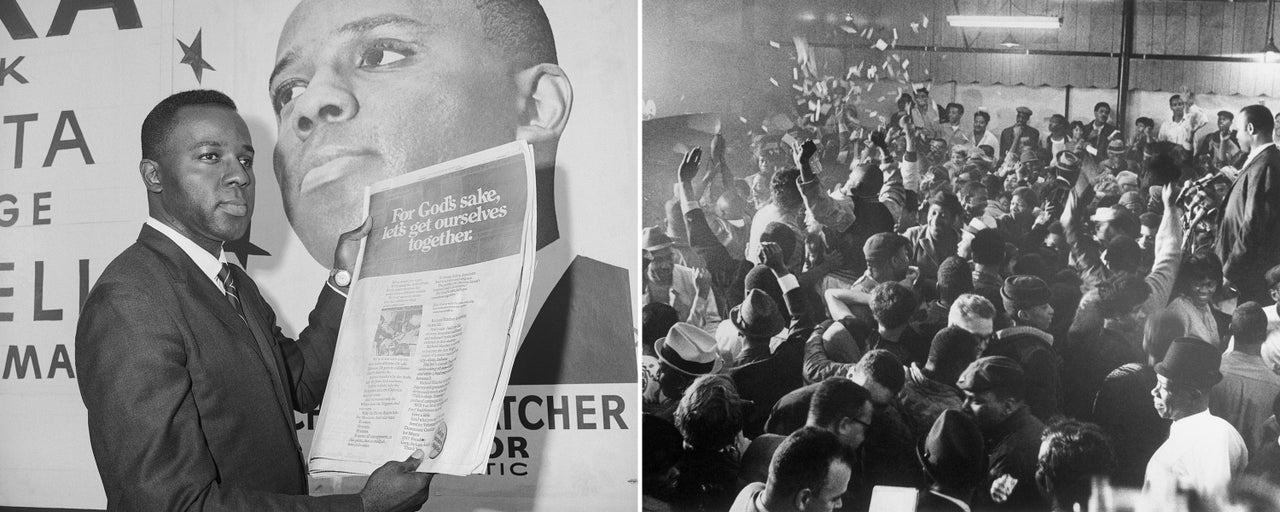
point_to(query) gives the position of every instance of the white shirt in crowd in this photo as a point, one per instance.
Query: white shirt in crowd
(1203, 452)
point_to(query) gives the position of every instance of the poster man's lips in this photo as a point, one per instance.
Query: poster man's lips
(331, 164)
(235, 208)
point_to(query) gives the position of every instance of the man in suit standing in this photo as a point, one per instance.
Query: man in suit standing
(189, 383)
(1249, 234)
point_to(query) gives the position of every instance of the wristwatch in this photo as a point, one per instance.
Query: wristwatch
(340, 277)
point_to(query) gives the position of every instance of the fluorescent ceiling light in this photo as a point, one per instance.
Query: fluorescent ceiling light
(957, 20)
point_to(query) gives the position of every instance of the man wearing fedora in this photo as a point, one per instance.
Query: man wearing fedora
(1026, 301)
(954, 459)
(761, 376)
(752, 317)
(994, 389)
(1203, 452)
(686, 353)
(686, 289)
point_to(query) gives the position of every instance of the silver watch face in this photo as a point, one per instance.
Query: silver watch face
(342, 278)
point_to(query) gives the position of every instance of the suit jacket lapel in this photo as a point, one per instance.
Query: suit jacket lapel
(258, 326)
(185, 271)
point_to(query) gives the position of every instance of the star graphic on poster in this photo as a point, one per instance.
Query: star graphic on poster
(191, 55)
(243, 248)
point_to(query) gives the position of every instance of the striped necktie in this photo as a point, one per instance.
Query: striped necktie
(229, 286)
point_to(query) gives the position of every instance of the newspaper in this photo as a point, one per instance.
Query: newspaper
(433, 321)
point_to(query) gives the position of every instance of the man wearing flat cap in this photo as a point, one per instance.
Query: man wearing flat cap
(1203, 452)
(686, 353)
(954, 459)
(1015, 137)
(1026, 301)
(994, 389)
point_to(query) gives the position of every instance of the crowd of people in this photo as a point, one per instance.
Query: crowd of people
(989, 321)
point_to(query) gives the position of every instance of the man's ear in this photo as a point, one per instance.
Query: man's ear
(803, 498)
(150, 172)
(544, 99)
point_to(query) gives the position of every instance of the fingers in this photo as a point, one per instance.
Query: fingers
(415, 459)
(360, 231)
(694, 156)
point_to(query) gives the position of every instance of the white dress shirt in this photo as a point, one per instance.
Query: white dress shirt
(1203, 452)
(208, 264)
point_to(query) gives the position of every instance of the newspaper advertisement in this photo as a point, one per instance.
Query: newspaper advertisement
(433, 319)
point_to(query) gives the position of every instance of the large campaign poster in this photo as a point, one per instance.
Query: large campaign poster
(77, 77)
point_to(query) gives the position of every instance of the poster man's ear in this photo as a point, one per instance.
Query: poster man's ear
(544, 100)
(150, 172)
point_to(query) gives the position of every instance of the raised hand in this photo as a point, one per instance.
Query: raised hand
(689, 166)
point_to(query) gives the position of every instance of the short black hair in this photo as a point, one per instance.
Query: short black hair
(1120, 294)
(785, 191)
(159, 122)
(803, 460)
(1249, 324)
(1145, 121)
(1174, 97)
(1260, 117)
(836, 398)
(956, 105)
(1197, 267)
(883, 367)
(1076, 452)
(656, 319)
(987, 247)
(955, 278)
(953, 349)
(984, 115)
(1101, 104)
(892, 304)
(519, 30)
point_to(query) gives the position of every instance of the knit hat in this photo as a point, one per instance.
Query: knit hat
(757, 316)
(883, 246)
(1022, 292)
(1192, 362)
(993, 373)
(688, 349)
(954, 453)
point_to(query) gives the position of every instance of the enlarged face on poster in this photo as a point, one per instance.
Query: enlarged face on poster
(371, 89)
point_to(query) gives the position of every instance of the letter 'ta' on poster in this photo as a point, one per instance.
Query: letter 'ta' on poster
(434, 319)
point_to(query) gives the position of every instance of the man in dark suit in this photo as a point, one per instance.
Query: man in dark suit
(1020, 134)
(188, 381)
(1249, 238)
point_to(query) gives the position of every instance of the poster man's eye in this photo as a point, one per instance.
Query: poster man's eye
(380, 56)
(286, 93)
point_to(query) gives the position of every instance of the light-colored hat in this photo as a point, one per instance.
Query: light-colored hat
(688, 349)
(653, 238)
